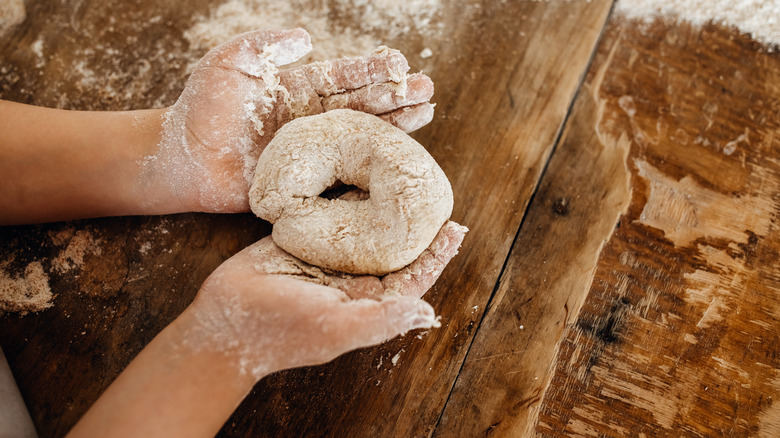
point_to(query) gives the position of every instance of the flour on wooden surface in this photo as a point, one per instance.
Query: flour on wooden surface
(337, 28)
(112, 67)
(29, 292)
(395, 358)
(12, 13)
(80, 244)
(759, 18)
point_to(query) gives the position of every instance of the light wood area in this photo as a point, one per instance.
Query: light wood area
(621, 276)
(678, 334)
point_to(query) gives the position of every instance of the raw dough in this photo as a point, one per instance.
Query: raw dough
(410, 197)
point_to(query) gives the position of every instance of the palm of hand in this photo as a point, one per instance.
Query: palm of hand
(217, 137)
(274, 311)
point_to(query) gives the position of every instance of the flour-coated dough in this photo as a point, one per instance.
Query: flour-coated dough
(410, 197)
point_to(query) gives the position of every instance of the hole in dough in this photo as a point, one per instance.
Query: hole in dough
(339, 189)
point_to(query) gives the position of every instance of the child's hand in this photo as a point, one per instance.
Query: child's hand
(270, 311)
(259, 312)
(236, 99)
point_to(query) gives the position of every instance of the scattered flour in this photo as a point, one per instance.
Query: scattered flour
(337, 27)
(79, 245)
(114, 67)
(395, 358)
(30, 291)
(759, 18)
(26, 293)
(12, 13)
(145, 248)
(37, 49)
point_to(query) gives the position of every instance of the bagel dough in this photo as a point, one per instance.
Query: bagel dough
(409, 199)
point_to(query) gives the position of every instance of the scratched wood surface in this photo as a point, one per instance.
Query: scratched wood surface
(679, 334)
(639, 297)
(506, 73)
(642, 295)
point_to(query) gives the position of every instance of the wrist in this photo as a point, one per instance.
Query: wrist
(174, 387)
(153, 190)
(213, 331)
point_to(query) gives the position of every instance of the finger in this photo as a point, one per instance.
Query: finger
(385, 97)
(362, 323)
(416, 278)
(410, 118)
(306, 86)
(339, 75)
(254, 53)
(298, 96)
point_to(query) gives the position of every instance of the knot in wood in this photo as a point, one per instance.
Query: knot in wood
(561, 207)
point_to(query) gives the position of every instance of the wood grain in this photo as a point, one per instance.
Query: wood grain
(498, 117)
(91, 55)
(636, 296)
(678, 335)
(506, 74)
(575, 210)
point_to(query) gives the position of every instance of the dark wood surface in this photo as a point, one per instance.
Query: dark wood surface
(620, 276)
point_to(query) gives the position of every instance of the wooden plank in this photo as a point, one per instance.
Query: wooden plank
(135, 276)
(575, 210)
(117, 281)
(679, 334)
(501, 101)
(91, 55)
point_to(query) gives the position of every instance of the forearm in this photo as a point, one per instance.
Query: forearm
(59, 165)
(173, 388)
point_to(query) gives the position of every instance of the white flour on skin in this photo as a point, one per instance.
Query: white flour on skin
(242, 334)
(759, 18)
(185, 160)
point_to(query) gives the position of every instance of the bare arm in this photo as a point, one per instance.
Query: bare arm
(199, 154)
(252, 317)
(170, 389)
(57, 164)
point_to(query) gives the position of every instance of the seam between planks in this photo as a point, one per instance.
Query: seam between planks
(531, 199)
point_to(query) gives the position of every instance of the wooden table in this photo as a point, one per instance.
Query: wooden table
(622, 186)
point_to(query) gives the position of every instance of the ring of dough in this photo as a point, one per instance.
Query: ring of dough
(409, 200)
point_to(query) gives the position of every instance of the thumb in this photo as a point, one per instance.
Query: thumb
(420, 275)
(368, 322)
(251, 52)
